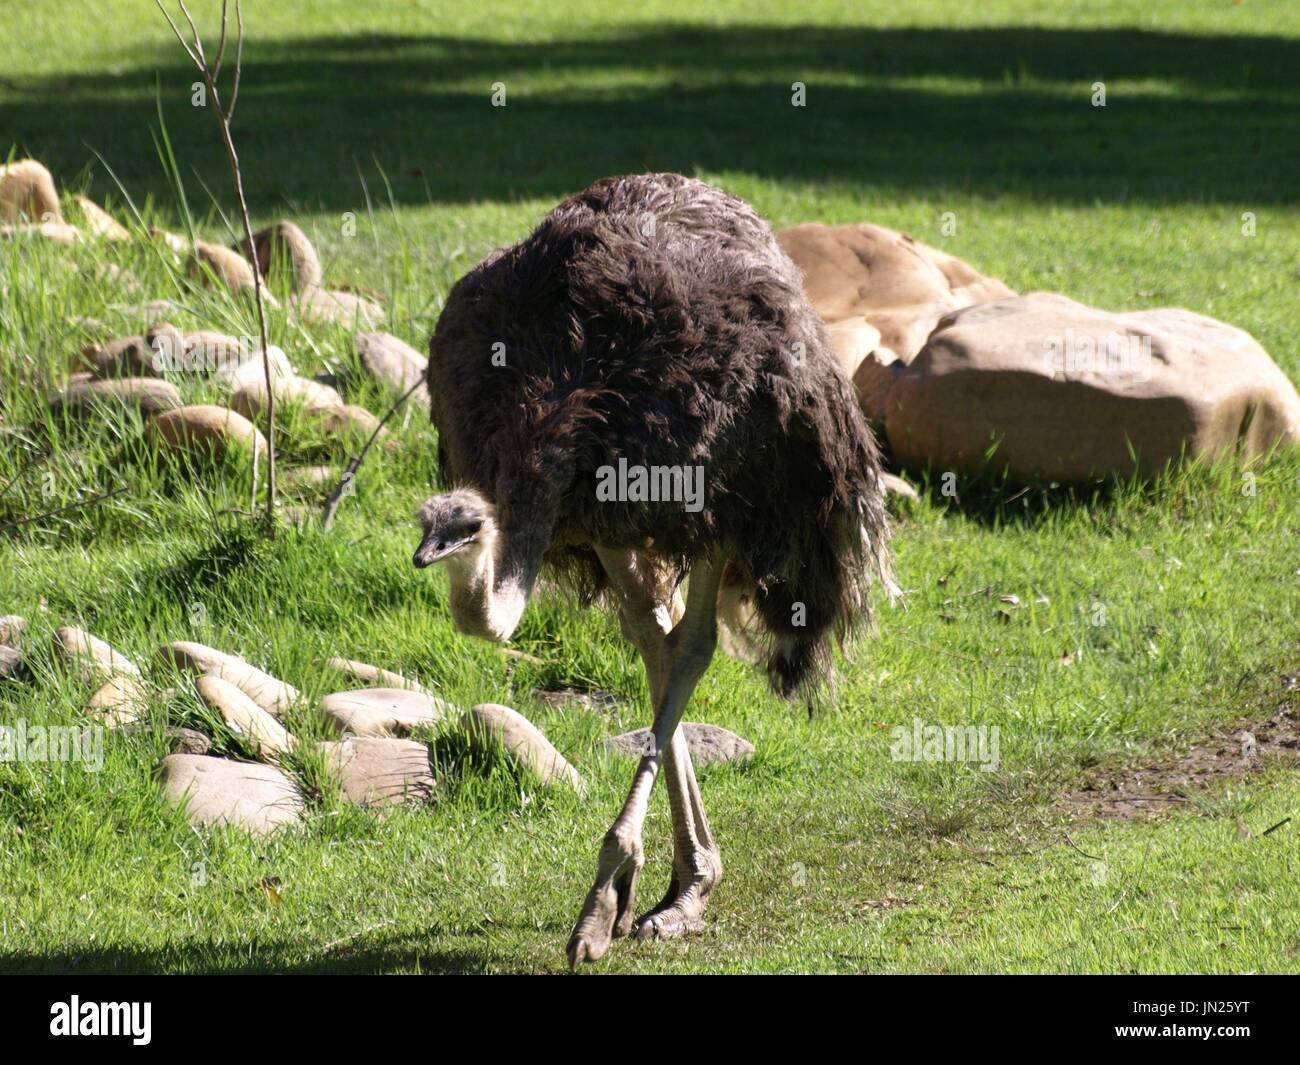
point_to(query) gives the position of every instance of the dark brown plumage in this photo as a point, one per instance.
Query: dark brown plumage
(654, 318)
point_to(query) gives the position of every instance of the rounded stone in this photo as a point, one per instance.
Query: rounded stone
(12, 626)
(382, 711)
(151, 395)
(708, 744)
(90, 657)
(265, 735)
(217, 791)
(119, 701)
(380, 771)
(270, 693)
(27, 192)
(491, 725)
(203, 431)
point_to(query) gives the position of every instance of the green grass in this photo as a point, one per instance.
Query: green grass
(838, 858)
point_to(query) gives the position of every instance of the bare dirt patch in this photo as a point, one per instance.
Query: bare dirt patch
(1154, 787)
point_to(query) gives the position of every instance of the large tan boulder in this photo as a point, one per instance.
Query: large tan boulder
(323, 306)
(351, 423)
(249, 399)
(267, 738)
(253, 369)
(203, 431)
(391, 361)
(121, 357)
(283, 250)
(270, 693)
(12, 626)
(151, 395)
(217, 791)
(90, 658)
(207, 350)
(99, 223)
(708, 744)
(1069, 392)
(227, 266)
(54, 232)
(369, 674)
(382, 711)
(880, 291)
(380, 771)
(491, 726)
(27, 194)
(119, 701)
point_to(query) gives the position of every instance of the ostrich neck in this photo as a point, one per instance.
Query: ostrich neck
(487, 597)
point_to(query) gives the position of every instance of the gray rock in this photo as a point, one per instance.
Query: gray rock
(264, 734)
(89, 657)
(270, 693)
(11, 663)
(708, 744)
(382, 711)
(249, 795)
(188, 741)
(380, 771)
(593, 702)
(11, 627)
(151, 395)
(179, 740)
(524, 744)
(391, 361)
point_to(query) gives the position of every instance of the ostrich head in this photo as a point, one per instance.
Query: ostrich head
(456, 522)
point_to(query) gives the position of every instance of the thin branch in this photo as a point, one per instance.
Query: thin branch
(224, 117)
(1075, 847)
(239, 62)
(62, 510)
(177, 30)
(198, 44)
(221, 44)
(349, 475)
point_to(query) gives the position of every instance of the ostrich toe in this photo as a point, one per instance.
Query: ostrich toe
(608, 911)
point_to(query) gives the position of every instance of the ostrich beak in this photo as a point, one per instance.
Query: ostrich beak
(435, 548)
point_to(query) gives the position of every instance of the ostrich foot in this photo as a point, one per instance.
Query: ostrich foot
(682, 910)
(607, 913)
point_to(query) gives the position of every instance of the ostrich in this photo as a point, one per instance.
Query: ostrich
(653, 321)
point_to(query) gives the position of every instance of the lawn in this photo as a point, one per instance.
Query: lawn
(1149, 616)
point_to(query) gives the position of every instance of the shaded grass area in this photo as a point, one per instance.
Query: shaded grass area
(1146, 615)
(924, 111)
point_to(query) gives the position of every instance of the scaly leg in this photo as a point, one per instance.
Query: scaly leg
(683, 656)
(697, 864)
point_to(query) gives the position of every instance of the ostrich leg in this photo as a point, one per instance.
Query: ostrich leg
(648, 608)
(697, 864)
(683, 655)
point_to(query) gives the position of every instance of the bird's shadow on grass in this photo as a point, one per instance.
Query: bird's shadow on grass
(925, 111)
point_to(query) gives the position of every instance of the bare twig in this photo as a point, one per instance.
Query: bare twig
(349, 475)
(1075, 847)
(61, 510)
(225, 116)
